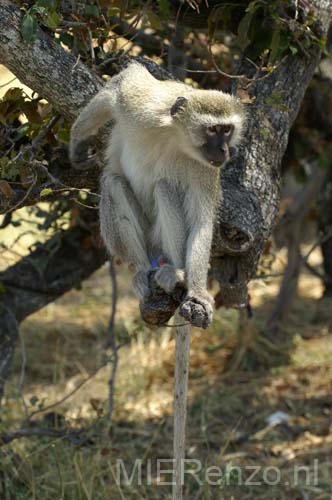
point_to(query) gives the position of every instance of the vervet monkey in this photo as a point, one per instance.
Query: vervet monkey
(160, 184)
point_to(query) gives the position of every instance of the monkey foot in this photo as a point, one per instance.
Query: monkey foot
(197, 310)
(158, 307)
(169, 277)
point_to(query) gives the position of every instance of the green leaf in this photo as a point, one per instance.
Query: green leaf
(113, 11)
(48, 4)
(34, 400)
(243, 39)
(52, 20)
(46, 192)
(63, 135)
(91, 10)
(324, 161)
(37, 9)
(164, 8)
(67, 39)
(154, 20)
(13, 94)
(30, 109)
(29, 28)
(22, 131)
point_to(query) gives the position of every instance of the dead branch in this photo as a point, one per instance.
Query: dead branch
(66, 259)
(111, 343)
(293, 221)
(75, 436)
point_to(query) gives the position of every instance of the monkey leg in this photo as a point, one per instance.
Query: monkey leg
(170, 231)
(124, 228)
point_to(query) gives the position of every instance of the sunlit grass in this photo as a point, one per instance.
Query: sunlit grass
(65, 344)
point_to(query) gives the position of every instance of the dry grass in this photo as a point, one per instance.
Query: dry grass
(64, 344)
(227, 409)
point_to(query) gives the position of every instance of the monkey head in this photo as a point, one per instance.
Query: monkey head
(211, 123)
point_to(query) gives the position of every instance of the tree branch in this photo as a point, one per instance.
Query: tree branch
(250, 183)
(44, 275)
(44, 65)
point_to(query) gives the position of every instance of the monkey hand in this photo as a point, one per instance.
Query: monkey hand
(197, 308)
(168, 277)
(83, 154)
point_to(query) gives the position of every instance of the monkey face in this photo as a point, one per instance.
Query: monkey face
(211, 123)
(215, 148)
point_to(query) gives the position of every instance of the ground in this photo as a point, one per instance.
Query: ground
(238, 378)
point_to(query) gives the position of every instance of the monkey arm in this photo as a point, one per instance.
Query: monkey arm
(198, 304)
(92, 117)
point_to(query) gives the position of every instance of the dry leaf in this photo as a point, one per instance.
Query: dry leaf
(6, 189)
(244, 96)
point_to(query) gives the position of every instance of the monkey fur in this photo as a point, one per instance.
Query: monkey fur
(161, 181)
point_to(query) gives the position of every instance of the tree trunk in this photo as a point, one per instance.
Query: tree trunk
(250, 183)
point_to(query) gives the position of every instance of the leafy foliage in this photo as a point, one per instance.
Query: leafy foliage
(96, 30)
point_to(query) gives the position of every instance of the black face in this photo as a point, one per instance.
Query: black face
(216, 148)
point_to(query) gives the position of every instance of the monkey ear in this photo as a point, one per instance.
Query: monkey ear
(179, 105)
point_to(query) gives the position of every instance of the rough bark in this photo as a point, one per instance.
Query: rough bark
(250, 184)
(44, 65)
(8, 339)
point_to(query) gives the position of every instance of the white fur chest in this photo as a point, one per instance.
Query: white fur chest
(143, 163)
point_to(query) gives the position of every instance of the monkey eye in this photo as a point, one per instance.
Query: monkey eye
(226, 129)
(212, 130)
(220, 129)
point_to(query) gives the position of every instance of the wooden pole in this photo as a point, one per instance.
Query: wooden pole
(182, 352)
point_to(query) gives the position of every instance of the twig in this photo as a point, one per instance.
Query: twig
(6, 221)
(23, 368)
(244, 77)
(227, 75)
(8, 83)
(114, 284)
(111, 340)
(294, 220)
(70, 435)
(314, 271)
(182, 352)
(321, 239)
(69, 394)
(26, 195)
(30, 148)
(111, 343)
(92, 52)
(296, 10)
(37, 140)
